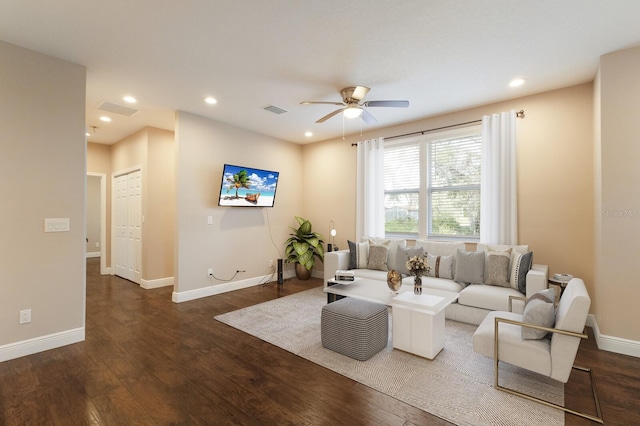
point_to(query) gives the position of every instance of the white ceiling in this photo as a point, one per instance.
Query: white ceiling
(440, 55)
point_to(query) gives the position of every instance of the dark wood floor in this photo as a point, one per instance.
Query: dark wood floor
(149, 361)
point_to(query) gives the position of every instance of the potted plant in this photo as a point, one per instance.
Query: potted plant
(302, 247)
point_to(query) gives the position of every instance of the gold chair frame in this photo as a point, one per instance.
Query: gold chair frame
(597, 418)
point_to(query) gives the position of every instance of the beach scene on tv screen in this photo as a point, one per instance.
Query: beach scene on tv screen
(247, 187)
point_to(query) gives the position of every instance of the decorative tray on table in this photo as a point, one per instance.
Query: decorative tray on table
(562, 277)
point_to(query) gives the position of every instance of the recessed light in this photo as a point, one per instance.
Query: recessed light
(130, 99)
(211, 100)
(308, 134)
(517, 82)
(87, 134)
(105, 119)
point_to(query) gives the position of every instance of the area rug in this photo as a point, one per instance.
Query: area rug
(456, 386)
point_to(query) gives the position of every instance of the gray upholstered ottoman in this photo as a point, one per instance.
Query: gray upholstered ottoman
(356, 328)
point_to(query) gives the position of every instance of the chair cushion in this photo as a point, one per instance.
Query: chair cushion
(534, 355)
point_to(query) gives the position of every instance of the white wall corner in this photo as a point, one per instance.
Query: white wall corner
(612, 343)
(41, 344)
(157, 283)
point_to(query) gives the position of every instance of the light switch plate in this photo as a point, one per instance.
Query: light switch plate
(56, 224)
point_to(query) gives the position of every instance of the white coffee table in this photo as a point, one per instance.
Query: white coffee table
(418, 321)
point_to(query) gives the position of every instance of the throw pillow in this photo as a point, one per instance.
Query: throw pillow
(393, 245)
(521, 265)
(441, 266)
(403, 255)
(469, 267)
(378, 257)
(539, 310)
(498, 268)
(358, 255)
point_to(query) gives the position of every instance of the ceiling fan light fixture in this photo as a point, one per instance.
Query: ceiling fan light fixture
(352, 112)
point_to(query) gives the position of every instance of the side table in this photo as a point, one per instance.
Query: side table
(560, 281)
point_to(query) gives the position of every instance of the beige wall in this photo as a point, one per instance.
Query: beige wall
(618, 209)
(42, 166)
(152, 150)
(239, 238)
(159, 205)
(555, 165)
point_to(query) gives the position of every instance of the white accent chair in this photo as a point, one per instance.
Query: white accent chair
(499, 337)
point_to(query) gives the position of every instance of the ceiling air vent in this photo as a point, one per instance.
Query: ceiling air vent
(274, 109)
(117, 109)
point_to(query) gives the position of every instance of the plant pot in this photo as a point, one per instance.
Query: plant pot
(302, 273)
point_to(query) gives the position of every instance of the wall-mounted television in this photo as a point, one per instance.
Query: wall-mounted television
(247, 187)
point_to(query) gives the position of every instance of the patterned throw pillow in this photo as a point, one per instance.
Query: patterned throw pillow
(498, 268)
(378, 256)
(441, 266)
(358, 255)
(539, 310)
(521, 265)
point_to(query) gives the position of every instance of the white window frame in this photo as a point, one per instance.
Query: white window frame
(425, 187)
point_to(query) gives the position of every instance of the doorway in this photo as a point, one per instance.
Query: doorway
(96, 220)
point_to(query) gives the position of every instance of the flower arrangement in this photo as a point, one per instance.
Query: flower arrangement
(417, 266)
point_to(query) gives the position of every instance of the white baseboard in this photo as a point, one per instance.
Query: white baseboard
(612, 343)
(185, 296)
(40, 344)
(157, 283)
(93, 254)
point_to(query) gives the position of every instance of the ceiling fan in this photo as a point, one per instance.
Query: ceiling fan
(353, 104)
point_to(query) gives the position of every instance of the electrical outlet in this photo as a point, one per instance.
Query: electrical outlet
(210, 272)
(25, 316)
(270, 263)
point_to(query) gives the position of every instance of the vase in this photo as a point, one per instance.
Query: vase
(302, 273)
(394, 280)
(417, 285)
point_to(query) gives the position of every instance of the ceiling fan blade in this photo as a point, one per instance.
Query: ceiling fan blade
(359, 93)
(328, 116)
(396, 104)
(321, 102)
(367, 117)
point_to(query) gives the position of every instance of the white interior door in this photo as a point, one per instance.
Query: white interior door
(127, 224)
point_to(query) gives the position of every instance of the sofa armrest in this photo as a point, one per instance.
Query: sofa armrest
(537, 279)
(334, 261)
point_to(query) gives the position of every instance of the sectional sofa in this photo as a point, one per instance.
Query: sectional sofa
(484, 278)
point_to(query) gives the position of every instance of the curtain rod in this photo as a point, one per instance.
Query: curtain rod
(519, 114)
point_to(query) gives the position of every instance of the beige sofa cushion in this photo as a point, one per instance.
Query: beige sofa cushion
(487, 297)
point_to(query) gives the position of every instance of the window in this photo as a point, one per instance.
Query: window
(432, 185)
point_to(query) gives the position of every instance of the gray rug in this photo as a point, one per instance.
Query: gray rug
(456, 386)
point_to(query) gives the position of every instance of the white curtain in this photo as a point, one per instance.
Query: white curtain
(498, 203)
(370, 189)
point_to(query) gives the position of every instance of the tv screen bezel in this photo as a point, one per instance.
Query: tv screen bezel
(260, 172)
